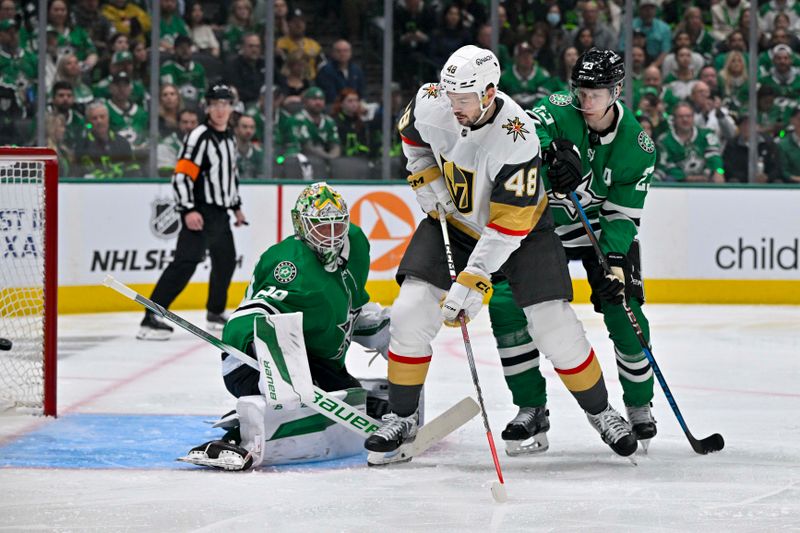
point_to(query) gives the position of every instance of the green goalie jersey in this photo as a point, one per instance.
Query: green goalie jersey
(289, 278)
(617, 169)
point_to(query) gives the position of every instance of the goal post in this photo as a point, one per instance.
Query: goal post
(28, 279)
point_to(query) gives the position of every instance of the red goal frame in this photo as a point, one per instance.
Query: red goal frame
(50, 282)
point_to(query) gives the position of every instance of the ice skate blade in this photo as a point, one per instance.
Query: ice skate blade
(645, 444)
(403, 454)
(532, 446)
(632, 459)
(224, 462)
(149, 334)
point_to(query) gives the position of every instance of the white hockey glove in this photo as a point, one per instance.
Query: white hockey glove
(371, 329)
(431, 190)
(465, 294)
(611, 288)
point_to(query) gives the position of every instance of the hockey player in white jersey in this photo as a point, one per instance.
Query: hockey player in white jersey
(475, 152)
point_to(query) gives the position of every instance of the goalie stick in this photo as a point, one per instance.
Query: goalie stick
(325, 404)
(712, 443)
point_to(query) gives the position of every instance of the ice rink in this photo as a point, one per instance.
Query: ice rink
(128, 408)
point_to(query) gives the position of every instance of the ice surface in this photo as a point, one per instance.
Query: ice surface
(134, 405)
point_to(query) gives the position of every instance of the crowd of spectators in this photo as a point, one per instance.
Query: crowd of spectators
(690, 77)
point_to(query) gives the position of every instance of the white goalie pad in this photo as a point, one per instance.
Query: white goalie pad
(281, 352)
(296, 433)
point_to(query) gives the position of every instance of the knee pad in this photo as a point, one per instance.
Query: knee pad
(416, 318)
(558, 333)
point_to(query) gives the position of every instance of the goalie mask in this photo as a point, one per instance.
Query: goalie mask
(321, 220)
(597, 69)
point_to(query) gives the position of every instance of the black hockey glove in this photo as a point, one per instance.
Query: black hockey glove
(611, 288)
(564, 171)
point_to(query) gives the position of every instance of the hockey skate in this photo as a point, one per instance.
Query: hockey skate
(215, 322)
(219, 454)
(152, 328)
(615, 431)
(395, 433)
(526, 434)
(644, 425)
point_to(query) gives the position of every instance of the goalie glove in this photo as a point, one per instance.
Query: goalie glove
(564, 171)
(611, 288)
(431, 191)
(371, 329)
(465, 294)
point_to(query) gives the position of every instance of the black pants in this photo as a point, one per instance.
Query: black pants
(216, 237)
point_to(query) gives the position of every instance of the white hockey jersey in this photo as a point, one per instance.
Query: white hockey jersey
(491, 171)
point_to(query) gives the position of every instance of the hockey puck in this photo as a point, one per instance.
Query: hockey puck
(499, 492)
(5, 344)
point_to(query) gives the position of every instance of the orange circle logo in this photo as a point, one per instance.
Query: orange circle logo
(388, 224)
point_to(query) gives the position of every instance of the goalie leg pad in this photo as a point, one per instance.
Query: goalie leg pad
(220, 454)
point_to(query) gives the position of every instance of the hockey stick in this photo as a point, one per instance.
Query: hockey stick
(712, 443)
(498, 489)
(337, 410)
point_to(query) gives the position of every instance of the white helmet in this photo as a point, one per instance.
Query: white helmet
(470, 70)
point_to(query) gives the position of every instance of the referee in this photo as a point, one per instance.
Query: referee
(206, 186)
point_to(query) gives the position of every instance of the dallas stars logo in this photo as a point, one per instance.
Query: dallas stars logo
(327, 196)
(586, 197)
(285, 272)
(516, 128)
(431, 91)
(646, 143)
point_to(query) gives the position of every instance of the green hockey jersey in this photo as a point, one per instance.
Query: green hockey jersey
(131, 124)
(699, 155)
(289, 278)
(190, 79)
(617, 169)
(307, 131)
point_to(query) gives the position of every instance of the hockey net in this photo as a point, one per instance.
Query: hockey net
(28, 279)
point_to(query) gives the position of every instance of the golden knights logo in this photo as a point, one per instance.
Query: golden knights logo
(516, 128)
(431, 91)
(461, 184)
(165, 221)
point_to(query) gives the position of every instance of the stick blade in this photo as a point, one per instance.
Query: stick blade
(499, 492)
(710, 444)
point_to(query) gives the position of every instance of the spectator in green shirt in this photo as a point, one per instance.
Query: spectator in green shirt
(172, 25)
(688, 153)
(73, 38)
(526, 81)
(789, 150)
(189, 77)
(250, 156)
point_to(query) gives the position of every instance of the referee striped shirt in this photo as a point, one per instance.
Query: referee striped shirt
(206, 172)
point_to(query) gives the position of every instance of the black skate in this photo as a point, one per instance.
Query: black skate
(394, 432)
(644, 425)
(526, 434)
(152, 328)
(614, 430)
(219, 454)
(215, 322)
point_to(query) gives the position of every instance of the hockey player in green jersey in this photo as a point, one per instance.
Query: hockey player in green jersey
(320, 271)
(594, 146)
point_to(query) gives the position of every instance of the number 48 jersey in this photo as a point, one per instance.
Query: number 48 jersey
(289, 278)
(491, 170)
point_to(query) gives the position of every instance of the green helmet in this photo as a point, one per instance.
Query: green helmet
(321, 220)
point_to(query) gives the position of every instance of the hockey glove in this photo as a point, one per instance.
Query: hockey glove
(431, 190)
(611, 288)
(465, 294)
(564, 171)
(371, 329)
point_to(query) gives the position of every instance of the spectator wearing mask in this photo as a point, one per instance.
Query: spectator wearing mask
(688, 153)
(735, 156)
(340, 72)
(189, 77)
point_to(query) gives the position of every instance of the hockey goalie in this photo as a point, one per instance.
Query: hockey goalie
(305, 303)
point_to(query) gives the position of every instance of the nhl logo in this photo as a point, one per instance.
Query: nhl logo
(285, 272)
(165, 221)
